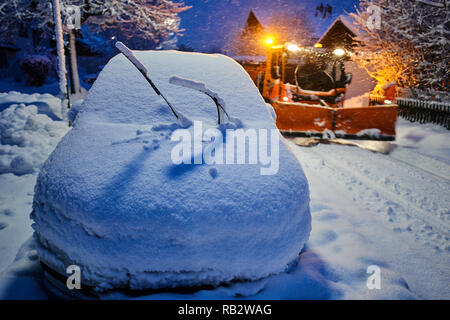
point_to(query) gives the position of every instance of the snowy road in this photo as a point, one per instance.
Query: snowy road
(370, 208)
(412, 199)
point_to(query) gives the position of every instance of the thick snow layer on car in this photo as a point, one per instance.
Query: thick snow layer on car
(111, 200)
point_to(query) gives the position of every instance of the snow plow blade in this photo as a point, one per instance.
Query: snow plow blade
(359, 123)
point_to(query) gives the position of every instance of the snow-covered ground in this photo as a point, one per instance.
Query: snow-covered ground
(29, 131)
(392, 211)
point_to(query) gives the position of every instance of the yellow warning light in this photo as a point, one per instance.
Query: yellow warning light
(269, 40)
(318, 45)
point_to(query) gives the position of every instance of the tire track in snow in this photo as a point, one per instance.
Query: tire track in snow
(420, 213)
(416, 160)
(417, 185)
(381, 193)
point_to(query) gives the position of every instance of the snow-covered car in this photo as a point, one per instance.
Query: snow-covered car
(112, 200)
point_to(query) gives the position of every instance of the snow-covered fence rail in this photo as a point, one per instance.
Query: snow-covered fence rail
(420, 110)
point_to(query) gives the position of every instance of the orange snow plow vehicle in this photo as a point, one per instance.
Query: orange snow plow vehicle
(307, 87)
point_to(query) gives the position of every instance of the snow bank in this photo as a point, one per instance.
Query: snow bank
(46, 103)
(428, 139)
(26, 137)
(110, 199)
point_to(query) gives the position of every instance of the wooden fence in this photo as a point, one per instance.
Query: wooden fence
(419, 110)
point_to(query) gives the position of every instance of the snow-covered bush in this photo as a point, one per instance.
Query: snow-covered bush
(36, 68)
(141, 23)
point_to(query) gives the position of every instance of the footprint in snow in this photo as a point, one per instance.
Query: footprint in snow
(391, 212)
(213, 173)
(151, 145)
(325, 216)
(318, 207)
(151, 139)
(373, 261)
(7, 212)
(325, 237)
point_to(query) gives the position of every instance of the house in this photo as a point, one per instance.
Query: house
(250, 50)
(341, 34)
(250, 40)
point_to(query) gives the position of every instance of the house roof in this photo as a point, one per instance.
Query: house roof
(252, 24)
(348, 22)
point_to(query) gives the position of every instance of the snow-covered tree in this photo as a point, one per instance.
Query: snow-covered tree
(39, 15)
(153, 22)
(411, 46)
(14, 13)
(61, 57)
